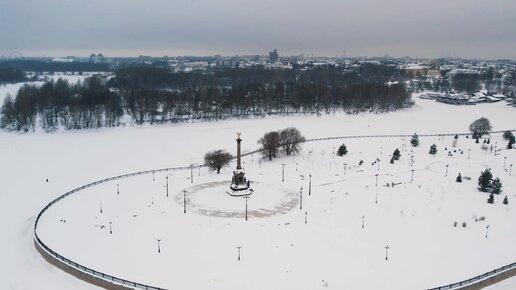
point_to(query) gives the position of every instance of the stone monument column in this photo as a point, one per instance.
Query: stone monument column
(239, 166)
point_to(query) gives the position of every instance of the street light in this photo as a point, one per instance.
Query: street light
(306, 217)
(363, 217)
(166, 177)
(100, 203)
(301, 198)
(282, 172)
(446, 174)
(152, 175)
(345, 168)
(246, 197)
(159, 248)
(376, 183)
(296, 166)
(487, 229)
(184, 200)
(387, 252)
(469, 153)
(117, 189)
(412, 178)
(310, 184)
(510, 170)
(191, 173)
(239, 247)
(110, 228)
(505, 158)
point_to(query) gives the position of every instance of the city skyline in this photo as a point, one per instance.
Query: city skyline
(461, 28)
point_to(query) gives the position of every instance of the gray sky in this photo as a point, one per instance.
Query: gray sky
(430, 28)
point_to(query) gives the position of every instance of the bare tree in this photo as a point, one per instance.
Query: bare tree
(270, 142)
(290, 140)
(217, 159)
(481, 127)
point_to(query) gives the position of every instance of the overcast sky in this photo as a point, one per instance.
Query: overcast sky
(430, 28)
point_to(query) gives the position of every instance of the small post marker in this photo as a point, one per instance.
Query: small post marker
(387, 252)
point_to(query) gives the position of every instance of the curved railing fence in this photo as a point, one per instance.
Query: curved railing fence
(479, 278)
(83, 269)
(123, 283)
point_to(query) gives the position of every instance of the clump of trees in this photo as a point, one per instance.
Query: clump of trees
(289, 140)
(270, 143)
(395, 155)
(414, 140)
(343, 150)
(484, 180)
(217, 159)
(486, 183)
(433, 149)
(507, 135)
(480, 127)
(10, 75)
(83, 105)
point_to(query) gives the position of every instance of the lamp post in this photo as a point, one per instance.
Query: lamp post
(310, 184)
(191, 173)
(117, 189)
(376, 200)
(446, 174)
(239, 247)
(184, 200)
(152, 175)
(306, 217)
(412, 178)
(166, 177)
(505, 158)
(387, 252)
(301, 198)
(100, 205)
(487, 229)
(378, 165)
(159, 248)
(376, 182)
(246, 197)
(363, 217)
(282, 172)
(469, 153)
(345, 168)
(110, 228)
(510, 170)
(296, 166)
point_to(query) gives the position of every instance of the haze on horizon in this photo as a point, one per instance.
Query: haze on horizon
(461, 28)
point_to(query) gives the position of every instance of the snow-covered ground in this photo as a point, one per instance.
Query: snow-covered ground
(278, 249)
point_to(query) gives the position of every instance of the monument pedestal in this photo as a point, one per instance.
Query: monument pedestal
(240, 186)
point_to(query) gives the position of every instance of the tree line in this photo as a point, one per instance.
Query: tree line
(150, 94)
(11, 75)
(82, 105)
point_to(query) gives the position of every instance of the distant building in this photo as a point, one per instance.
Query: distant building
(273, 56)
(97, 58)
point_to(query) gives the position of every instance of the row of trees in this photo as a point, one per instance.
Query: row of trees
(288, 140)
(83, 105)
(11, 75)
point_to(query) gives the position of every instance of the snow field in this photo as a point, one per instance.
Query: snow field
(73, 158)
(416, 219)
